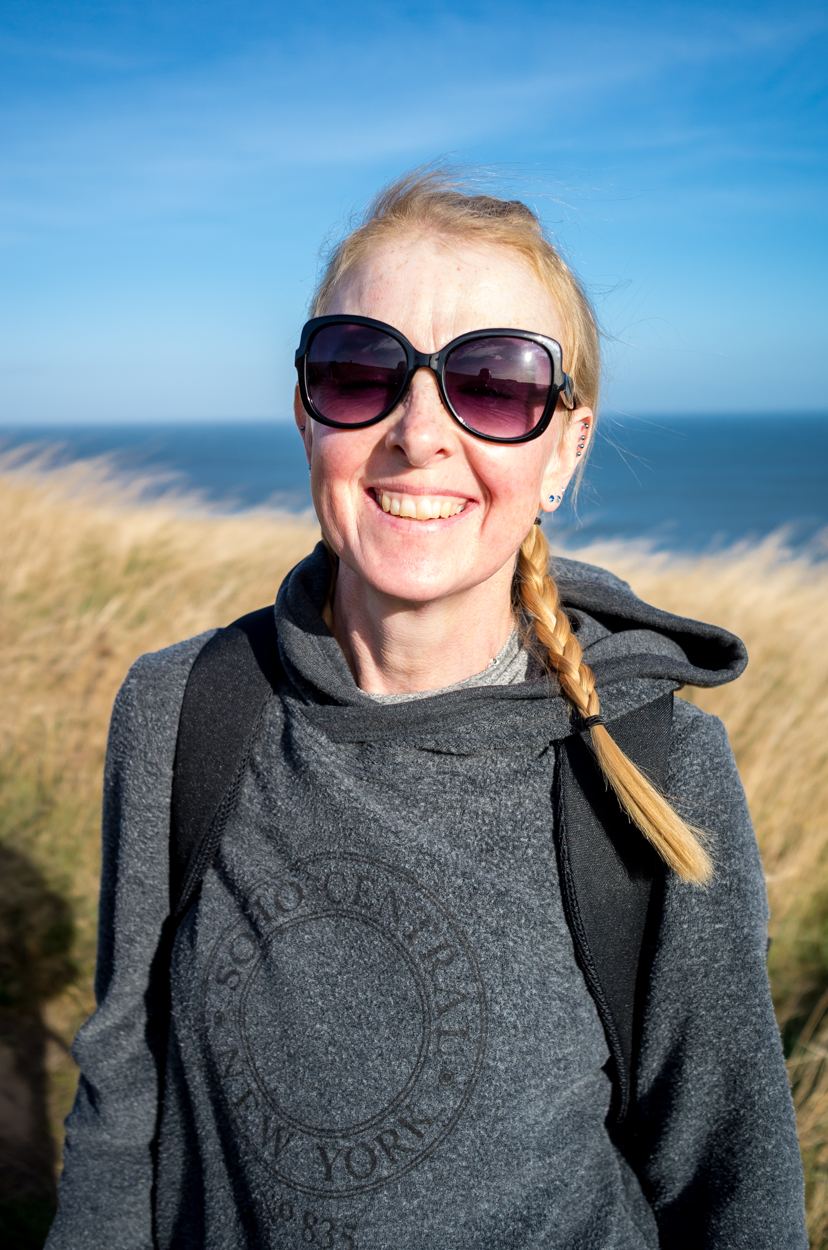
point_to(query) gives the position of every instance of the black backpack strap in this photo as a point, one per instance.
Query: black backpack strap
(229, 685)
(612, 881)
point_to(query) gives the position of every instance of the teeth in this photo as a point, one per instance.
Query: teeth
(420, 508)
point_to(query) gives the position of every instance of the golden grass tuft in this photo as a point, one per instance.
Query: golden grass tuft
(89, 580)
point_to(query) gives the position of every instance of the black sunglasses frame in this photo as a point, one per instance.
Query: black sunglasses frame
(436, 362)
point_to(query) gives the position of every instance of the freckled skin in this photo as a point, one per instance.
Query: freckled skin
(423, 604)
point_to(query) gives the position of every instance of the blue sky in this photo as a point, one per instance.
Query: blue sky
(168, 172)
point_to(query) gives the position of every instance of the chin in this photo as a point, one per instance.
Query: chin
(420, 580)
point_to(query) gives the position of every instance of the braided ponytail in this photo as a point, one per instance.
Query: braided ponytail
(676, 842)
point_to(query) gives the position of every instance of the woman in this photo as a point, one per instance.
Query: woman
(383, 1024)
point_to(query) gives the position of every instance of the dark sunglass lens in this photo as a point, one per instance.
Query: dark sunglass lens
(354, 373)
(499, 386)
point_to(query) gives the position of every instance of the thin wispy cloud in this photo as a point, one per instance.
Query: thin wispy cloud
(187, 156)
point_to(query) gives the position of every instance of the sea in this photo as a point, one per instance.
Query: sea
(691, 483)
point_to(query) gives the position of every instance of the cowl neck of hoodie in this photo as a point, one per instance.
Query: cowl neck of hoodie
(637, 652)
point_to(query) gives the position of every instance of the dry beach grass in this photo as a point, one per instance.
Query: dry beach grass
(89, 580)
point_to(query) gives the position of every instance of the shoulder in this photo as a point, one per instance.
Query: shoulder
(701, 756)
(697, 734)
(152, 693)
(154, 670)
(702, 762)
(704, 783)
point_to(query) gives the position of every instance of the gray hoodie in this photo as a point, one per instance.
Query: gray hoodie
(379, 1036)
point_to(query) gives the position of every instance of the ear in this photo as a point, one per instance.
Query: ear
(570, 450)
(303, 423)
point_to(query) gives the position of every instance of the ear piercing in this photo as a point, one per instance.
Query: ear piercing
(302, 428)
(582, 440)
(555, 498)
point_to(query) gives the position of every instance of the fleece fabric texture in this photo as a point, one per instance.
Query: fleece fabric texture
(379, 1036)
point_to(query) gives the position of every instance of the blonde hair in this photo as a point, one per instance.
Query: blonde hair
(432, 201)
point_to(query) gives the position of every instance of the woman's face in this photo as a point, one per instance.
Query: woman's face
(433, 290)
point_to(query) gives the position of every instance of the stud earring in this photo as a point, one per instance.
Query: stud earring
(302, 428)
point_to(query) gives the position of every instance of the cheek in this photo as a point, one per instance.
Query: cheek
(513, 479)
(338, 461)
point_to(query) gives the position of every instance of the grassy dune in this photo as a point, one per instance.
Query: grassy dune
(89, 580)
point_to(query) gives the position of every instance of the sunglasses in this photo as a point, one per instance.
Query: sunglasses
(501, 385)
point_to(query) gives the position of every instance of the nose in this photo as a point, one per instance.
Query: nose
(421, 429)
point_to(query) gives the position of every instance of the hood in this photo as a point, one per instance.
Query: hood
(637, 652)
(633, 639)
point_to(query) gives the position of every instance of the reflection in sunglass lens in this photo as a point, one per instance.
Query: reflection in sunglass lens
(354, 373)
(499, 386)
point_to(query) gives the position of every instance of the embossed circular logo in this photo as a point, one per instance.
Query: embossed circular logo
(346, 1023)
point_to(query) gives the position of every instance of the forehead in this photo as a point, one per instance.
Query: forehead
(434, 289)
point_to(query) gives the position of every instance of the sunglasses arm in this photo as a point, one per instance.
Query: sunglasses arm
(568, 392)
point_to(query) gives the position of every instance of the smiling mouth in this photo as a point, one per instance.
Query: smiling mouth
(418, 507)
